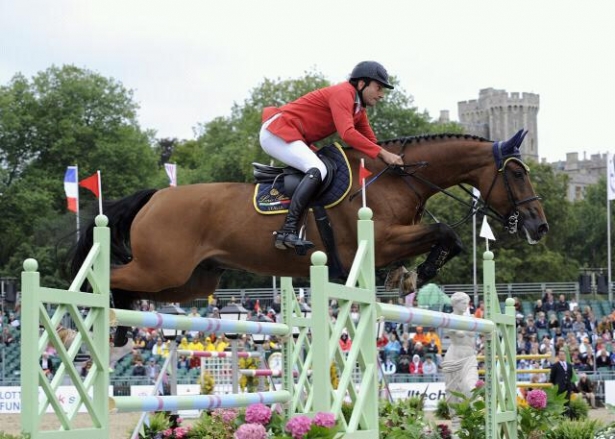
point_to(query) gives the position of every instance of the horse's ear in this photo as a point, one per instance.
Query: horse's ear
(512, 145)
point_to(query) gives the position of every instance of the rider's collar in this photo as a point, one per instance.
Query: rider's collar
(357, 102)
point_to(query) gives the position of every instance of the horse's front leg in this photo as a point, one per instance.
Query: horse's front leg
(401, 242)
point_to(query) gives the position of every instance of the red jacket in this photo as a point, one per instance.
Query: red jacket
(321, 113)
(416, 368)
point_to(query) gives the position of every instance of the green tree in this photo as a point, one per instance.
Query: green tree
(64, 116)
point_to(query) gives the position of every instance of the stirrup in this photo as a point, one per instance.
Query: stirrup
(284, 240)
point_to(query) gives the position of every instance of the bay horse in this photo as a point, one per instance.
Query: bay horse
(174, 244)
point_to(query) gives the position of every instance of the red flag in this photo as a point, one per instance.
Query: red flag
(91, 183)
(363, 172)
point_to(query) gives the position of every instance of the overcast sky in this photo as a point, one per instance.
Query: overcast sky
(189, 61)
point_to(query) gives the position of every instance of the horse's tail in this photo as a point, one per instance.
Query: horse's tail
(121, 213)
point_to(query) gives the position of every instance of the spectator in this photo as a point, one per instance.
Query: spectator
(541, 321)
(7, 337)
(47, 365)
(183, 345)
(554, 324)
(479, 313)
(211, 304)
(407, 347)
(531, 328)
(561, 376)
(159, 348)
(150, 341)
(578, 327)
(429, 367)
(603, 360)
(433, 335)
(221, 343)
(548, 302)
(139, 370)
(419, 350)
(562, 304)
(139, 342)
(573, 304)
(152, 370)
(354, 313)
(420, 336)
(345, 342)
(567, 323)
(577, 364)
(538, 307)
(388, 367)
(416, 366)
(14, 321)
(195, 344)
(183, 362)
(586, 388)
(393, 347)
(86, 368)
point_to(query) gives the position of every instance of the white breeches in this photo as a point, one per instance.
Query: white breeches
(296, 154)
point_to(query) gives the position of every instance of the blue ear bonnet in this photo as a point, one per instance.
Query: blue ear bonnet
(506, 149)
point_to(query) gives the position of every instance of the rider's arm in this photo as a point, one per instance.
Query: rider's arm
(342, 108)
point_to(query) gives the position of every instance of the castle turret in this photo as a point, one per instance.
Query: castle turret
(498, 115)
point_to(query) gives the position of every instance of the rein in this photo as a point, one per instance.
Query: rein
(510, 223)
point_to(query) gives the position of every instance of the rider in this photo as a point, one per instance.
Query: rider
(287, 131)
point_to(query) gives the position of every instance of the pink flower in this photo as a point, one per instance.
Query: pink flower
(323, 419)
(226, 415)
(299, 426)
(479, 384)
(181, 432)
(258, 414)
(251, 431)
(167, 433)
(536, 399)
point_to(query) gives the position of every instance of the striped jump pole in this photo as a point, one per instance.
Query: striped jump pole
(123, 404)
(423, 317)
(216, 354)
(156, 320)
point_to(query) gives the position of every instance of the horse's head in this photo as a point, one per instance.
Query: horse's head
(510, 192)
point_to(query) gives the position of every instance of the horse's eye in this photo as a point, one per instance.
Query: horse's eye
(518, 173)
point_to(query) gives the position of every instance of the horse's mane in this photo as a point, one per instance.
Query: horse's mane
(429, 137)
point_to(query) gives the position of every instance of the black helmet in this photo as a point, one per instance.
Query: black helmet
(371, 70)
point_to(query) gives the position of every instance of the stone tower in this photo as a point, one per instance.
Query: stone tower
(497, 115)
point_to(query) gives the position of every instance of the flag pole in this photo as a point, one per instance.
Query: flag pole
(609, 166)
(100, 211)
(77, 212)
(363, 197)
(608, 246)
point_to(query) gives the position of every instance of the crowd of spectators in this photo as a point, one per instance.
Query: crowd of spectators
(552, 325)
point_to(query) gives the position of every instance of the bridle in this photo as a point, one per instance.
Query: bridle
(510, 221)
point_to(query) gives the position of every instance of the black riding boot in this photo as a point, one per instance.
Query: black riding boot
(288, 236)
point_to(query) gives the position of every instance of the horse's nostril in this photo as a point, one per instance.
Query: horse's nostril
(543, 229)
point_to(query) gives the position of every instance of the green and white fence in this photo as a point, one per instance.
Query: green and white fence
(306, 378)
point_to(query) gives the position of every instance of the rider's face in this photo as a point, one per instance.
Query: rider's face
(372, 93)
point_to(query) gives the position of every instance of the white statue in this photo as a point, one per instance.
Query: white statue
(460, 367)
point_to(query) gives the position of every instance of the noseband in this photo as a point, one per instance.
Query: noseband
(501, 161)
(511, 223)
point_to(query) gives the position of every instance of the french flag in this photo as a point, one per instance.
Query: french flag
(71, 188)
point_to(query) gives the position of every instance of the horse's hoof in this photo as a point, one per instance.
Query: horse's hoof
(408, 284)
